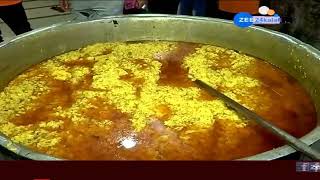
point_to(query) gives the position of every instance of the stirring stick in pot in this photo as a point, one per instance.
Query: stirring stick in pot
(292, 141)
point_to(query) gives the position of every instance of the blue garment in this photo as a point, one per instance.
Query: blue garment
(188, 6)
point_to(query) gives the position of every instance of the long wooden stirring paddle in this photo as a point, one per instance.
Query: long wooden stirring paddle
(291, 140)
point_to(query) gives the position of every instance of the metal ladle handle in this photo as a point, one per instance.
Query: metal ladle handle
(291, 140)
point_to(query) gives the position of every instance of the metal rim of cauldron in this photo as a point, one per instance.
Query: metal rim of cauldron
(275, 153)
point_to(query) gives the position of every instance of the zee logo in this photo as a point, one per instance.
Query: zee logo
(243, 19)
(268, 16)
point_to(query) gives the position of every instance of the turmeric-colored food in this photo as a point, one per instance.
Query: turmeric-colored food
(136, 100)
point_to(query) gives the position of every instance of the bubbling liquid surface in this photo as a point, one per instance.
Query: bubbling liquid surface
(137, 101)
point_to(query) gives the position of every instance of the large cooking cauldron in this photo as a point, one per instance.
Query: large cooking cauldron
(298, 59)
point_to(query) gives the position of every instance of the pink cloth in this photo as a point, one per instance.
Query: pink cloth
(131, 4)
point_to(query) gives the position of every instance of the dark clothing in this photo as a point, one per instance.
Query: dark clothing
(198, 6)
(163, 6)
(134, 11)
(212, 8)
(15, 17)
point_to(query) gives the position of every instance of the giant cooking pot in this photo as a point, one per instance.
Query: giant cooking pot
(291, 55)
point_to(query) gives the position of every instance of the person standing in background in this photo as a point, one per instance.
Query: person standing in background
(135, 6)
(229, 8)
(188, 6)
(14, 15)
(236, 6)
(92, 9)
